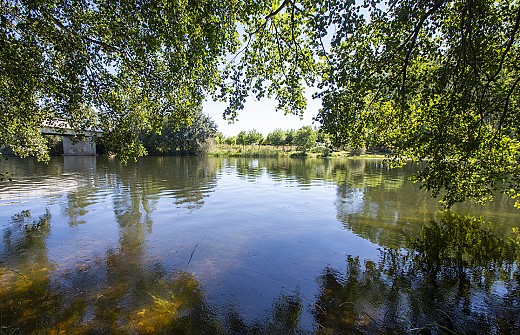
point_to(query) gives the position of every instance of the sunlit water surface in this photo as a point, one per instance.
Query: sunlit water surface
(185, 245)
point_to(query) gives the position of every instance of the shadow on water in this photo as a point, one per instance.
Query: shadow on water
(454, 277)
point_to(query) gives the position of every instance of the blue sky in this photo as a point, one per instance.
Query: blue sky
(261, 115)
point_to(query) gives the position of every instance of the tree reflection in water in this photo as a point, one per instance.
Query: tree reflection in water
(456, 277)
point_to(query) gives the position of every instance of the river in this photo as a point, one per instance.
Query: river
(187, 245)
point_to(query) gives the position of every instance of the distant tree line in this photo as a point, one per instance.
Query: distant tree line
(304, 139)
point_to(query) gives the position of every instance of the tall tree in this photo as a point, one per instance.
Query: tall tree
(254, 137)
(231, 140)
(276, 137)
(242, 138)
(305, 138)
(289, 136)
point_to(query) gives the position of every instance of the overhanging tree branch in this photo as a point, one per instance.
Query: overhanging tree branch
(413, 39)
(278, 10)
(68, 31)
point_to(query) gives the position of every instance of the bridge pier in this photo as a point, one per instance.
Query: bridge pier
(78, 148)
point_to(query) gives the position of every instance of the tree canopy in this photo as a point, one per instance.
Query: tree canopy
(434, 80)
(120, 66)
(305, 138)
(276, 137)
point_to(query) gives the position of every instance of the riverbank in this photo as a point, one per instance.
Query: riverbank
(225, 150)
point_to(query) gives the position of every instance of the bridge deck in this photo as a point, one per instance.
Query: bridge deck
(57, 127)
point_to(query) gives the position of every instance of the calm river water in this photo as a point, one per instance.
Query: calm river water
(171, 245)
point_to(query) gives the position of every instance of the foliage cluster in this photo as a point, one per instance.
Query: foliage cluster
(120, 67)
(173, 139)
(438, 81)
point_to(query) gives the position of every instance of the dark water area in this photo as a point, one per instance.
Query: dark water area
(185, 245)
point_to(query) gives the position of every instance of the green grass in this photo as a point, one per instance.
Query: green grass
(225, 150)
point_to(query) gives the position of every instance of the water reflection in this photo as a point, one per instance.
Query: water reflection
(380, 205)
(83, 164)
(24, 273)
(443, 282)
(104, 293)
(456, 277)
(116, 294)
(383, 206)
(111, 251)
(187, 181)
(50, 183)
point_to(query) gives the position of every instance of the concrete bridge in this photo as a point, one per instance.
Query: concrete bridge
(86, 147)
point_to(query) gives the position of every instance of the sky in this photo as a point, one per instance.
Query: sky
(261, 116)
